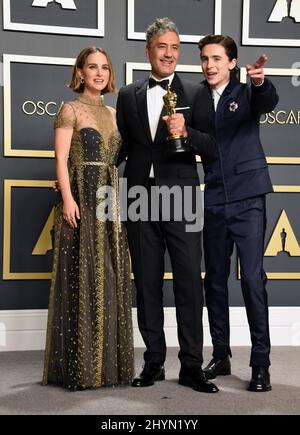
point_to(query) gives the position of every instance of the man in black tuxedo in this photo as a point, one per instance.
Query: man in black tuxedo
(144, 129)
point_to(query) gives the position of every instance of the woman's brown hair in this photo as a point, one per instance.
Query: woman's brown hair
(76, 84)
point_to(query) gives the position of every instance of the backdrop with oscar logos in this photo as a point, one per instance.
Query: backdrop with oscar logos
(39, 41)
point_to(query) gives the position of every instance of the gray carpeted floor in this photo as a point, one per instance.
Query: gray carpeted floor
(21, 392)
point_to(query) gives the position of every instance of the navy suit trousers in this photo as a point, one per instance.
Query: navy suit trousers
(242, 223)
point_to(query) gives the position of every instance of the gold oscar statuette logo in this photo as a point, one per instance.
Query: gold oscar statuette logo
(283, 239)
(285, 9)
(45, 241)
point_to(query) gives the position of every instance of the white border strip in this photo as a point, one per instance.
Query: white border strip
(26, 329)
(9, 25)
(246, 40)
(132, 34)
(289, 72)
(1, 74)
(139, 66)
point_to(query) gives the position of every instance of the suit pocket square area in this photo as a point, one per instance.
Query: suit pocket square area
(250, 165)
(178, 109)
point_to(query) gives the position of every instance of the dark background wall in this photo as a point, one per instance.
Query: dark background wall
(28, 205)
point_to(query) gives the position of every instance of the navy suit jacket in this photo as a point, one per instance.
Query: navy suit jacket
(141, 151)
(241, 169)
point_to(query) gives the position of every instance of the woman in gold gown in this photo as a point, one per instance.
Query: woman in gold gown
(89, 336)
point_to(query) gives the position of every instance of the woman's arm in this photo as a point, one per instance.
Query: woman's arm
(62, 142)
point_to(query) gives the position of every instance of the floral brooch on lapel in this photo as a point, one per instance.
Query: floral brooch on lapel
(233, 106)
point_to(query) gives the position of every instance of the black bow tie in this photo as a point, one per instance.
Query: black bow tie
(162, 83)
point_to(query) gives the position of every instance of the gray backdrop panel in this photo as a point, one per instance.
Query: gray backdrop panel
(22, 294)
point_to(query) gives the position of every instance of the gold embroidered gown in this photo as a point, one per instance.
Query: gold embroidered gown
(89, 335)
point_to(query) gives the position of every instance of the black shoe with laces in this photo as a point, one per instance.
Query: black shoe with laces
(151, 373)
(218, 367)
(260, 380)
(195, 378)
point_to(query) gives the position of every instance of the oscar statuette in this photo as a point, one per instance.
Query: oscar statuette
(176, 142)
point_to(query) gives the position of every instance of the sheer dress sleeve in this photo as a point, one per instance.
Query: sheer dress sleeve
(66, 117)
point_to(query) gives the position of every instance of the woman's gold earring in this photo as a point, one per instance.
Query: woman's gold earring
(82, 81)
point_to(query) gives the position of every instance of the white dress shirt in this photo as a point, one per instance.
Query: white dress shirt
(155, 104)
(217, 93)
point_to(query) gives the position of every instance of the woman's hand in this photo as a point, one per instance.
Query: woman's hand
(56, 186)
(70, 212)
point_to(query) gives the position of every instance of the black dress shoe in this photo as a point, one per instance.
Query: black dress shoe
(218, 367)
(195, 378)
(260, 380)
(151, 372)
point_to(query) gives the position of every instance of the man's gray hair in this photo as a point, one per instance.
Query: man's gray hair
(160, 26)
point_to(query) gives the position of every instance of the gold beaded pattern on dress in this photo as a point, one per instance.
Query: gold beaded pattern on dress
(89, 334)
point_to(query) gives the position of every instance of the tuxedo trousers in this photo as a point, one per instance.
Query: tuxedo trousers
(242, 223)
(148, 241)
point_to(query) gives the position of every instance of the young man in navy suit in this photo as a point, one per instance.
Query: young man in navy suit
(144, 129)
(236, 184)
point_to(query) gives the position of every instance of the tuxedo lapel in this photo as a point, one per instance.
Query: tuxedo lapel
(141, 101)
(161, 132)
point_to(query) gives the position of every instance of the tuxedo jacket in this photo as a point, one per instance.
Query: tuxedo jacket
(141, 151)
(241, 169)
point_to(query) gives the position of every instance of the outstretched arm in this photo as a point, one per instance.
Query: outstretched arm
(256, 71)
(264, 97)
